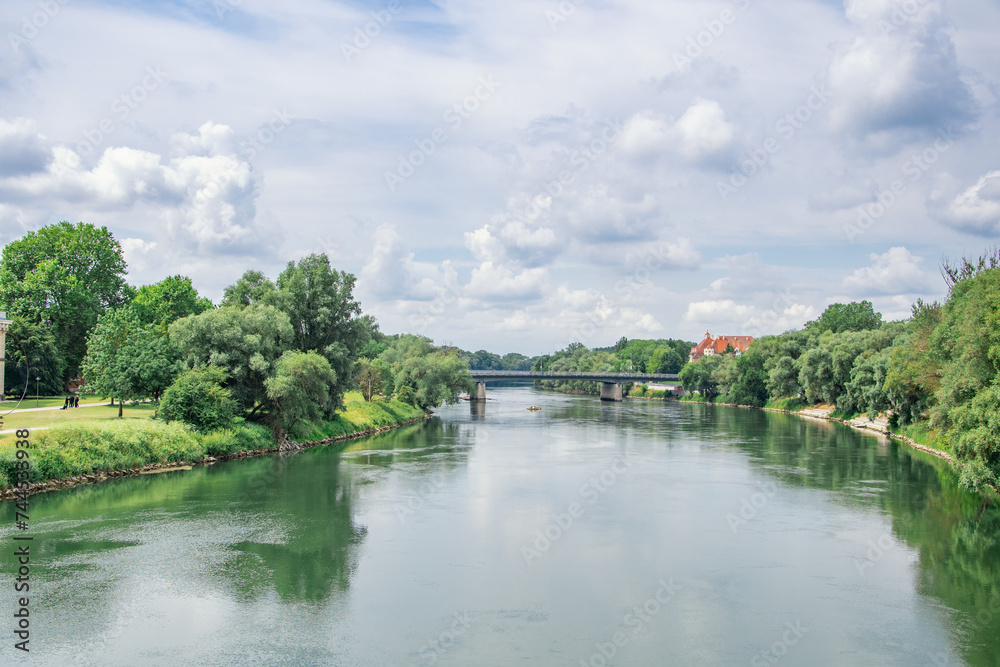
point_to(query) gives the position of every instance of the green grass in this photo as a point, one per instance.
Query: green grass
(922, 434)
(88, 447)
(696, 398)
(47, 402)
(84, 442)
(51, 418)
(791, 404)
(358, 415)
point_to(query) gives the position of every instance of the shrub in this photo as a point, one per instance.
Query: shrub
(197, 398)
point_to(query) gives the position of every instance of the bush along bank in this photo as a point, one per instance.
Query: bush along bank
(89, 452)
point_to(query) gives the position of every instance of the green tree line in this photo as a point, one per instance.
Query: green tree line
(281, 353)
(938, 372)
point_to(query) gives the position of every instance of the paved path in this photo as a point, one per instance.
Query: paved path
(4, 411)
(33, 428)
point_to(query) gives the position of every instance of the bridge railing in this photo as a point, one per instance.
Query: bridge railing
(581, 376)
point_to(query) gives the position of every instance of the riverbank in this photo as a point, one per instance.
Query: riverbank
(860, 422)
(89, 452)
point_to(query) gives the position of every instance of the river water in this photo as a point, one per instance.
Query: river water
(586, 533)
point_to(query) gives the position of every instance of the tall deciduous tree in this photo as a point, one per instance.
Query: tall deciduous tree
(32, 353)
(64, 276)
(854, 316)
(168, 300)
(299, 390)
(325, 316)
(246, 343)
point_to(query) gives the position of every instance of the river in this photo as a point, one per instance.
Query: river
(586, 533)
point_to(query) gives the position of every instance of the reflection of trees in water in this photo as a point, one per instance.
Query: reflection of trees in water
(319, 549)
(956, 534)
(312, 496)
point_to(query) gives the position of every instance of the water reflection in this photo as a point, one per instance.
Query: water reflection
(955, 533)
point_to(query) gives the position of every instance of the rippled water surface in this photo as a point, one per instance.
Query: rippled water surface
(640, 533)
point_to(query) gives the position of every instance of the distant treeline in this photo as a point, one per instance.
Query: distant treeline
(936, 375)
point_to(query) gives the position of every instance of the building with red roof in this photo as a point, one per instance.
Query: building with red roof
(719, 345)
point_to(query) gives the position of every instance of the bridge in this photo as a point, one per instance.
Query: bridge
(611, 381)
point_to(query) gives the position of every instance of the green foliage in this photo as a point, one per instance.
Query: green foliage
(436, 378)
(63, 277)
(360, 415)
(651, 356)
(750, 385)
(839, 317)
(375, 377)
(83, 448)
(300, 389)
(513, 361)
(407, 394)
(127, 359)
(241, 438)
(253, 288)
(702, 376)
(168, 301)
(197, 398)
(485, 361)
(246, 343)
(576, 358)
(325, 317)
(32, 352)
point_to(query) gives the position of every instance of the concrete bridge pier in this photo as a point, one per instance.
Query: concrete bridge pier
(611, 391)
(480, 392)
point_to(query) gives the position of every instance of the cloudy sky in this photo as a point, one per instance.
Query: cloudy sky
(518, 175)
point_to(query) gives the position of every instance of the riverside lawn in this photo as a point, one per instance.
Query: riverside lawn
(96, 444)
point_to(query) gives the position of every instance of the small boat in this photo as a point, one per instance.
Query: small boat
(533, 408)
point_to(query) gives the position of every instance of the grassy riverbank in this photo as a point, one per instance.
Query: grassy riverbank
(97, 448)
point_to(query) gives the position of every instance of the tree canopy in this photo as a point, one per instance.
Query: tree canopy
(63, 277)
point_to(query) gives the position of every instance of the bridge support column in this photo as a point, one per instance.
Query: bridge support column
(480, 392)
(611, 391)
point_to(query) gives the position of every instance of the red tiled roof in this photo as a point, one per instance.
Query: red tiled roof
(718, 345)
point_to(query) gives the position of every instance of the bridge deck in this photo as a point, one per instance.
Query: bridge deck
(483, 376)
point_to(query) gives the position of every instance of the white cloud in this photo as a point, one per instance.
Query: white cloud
(491, 281)
(899, 79)
(702, 132)
(896, 271)
(391, 271)
(977, 209)
(727, 317)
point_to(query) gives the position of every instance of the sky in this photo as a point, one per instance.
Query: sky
(521, 175)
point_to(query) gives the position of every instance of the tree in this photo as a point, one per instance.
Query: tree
(324, 315)
(855, 316)
(31, 353)
(514, 361)
(197, 398)
(701, 375)
(152, 362)
(750, 386)
(783, 379)
(424, 375)
(435, 379)
(64, 276)
(485, 361)
(106, 367)
(168, 301)
(666, 360)
(253, 288)
(299, 390)
(246, 343)
(373, 377)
